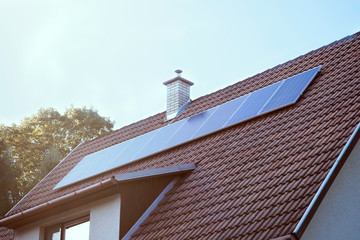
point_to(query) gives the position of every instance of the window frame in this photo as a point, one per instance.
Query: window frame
(63, 226)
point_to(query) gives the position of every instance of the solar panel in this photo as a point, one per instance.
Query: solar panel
(93, 164)
(134, 147)
(191, 125)
(290, 90)
(253, 104)
(266, 99)
(221, 115)
(159, 140)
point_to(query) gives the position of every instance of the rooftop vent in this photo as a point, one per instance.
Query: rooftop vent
(178, 95)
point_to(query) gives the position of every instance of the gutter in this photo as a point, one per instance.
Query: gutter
(330, 177)
(19, 219)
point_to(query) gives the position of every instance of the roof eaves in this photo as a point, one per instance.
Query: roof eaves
(320, 194)
(18, 219)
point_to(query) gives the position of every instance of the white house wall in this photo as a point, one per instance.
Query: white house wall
(28, 233)
(104, 220)
(338, 215)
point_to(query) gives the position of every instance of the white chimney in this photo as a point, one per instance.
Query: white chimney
(178, 95)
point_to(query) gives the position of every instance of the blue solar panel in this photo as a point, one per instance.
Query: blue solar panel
(253, 104)
(290, 90)
(134, 147)
(221, 115)
(243, 108)
(191, 125)
(93, 164)
(158, 142)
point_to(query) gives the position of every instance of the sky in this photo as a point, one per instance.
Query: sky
(114, 55)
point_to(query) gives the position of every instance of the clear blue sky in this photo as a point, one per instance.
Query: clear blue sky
(114, 55)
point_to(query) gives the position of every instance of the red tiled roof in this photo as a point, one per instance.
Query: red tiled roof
(6, 234)
(255, 179)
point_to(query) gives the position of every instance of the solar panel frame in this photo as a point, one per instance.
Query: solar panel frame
(302, 80)
(112, 163)
(92, 161)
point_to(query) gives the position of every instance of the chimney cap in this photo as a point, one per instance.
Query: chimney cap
(178, 77)
(178, 71)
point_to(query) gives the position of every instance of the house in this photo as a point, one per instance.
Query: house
(275, 156)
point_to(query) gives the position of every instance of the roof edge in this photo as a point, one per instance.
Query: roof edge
(325, 186)
(15, 220)
(156, 172)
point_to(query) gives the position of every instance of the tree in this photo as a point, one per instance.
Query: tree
(51, 159)
(38, 143)
(82, 124)
(8, 186)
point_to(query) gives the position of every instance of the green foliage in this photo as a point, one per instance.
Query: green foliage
(38, 143)
(51, 159)
(8, 186)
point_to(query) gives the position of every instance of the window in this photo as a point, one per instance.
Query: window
(73, 230)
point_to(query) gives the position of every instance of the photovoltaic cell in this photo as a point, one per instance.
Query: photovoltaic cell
(191, 125)
(290, 90)
(243, 108)
(93, 164)
(158, 142)
(253, 104)
(135, 146)
(221, 115)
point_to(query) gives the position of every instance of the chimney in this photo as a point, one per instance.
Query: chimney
(178, 95)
